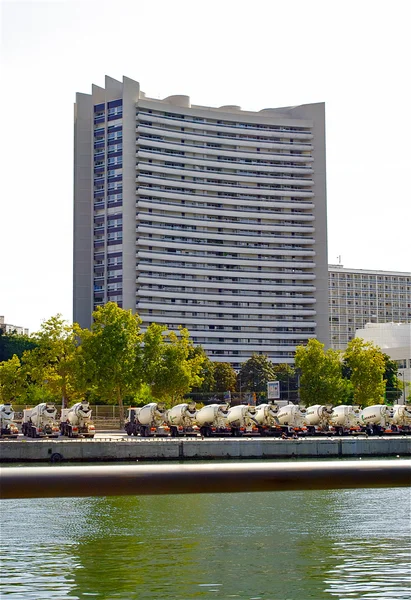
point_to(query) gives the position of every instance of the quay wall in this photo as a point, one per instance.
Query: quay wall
(22, 451)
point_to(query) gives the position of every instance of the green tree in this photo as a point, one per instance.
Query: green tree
(12, 380)
(321, 380)
(52, 362)
(111, 354)
(225, 377)
(13, 344)
(287, 377)
(393, 387)
(255, 373)
(367, 366)
(171, 367)
(208, 383)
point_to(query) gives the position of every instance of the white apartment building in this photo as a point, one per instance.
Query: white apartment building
(359, 296)
(394, 339)
(210, 218)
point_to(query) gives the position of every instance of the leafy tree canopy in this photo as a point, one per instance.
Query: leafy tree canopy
(255, 373)
(367, 366)
(12, 380)
(111, 354)
(12, 344)
(225, 377)
(172, 367)
(321, 380)
(52, 362)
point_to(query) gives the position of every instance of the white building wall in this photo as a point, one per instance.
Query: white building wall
(394, 339)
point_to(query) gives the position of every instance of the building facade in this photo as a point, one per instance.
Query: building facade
(394, 339)
(8, 328)
(210, 218)
(359, 296)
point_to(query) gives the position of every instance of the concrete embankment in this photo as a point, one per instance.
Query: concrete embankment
(197, 449)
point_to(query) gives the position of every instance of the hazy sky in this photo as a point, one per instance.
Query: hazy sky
(354, 56)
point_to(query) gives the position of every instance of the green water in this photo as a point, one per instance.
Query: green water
(280, 546)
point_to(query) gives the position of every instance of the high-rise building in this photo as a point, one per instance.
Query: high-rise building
(360, 296)
(210, 218)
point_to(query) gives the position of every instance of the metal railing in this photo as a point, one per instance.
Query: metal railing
(81, 481)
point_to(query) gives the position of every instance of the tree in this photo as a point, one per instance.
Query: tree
(393, 387)
(12, 380)
(52, 362)
(171, 367)
(13, 344)
(225, 377)
(206, 374)
(287, 377)
(367, 365)
(112, 354)
(321, 380)
(255, 373)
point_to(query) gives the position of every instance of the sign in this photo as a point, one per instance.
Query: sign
(273, 390)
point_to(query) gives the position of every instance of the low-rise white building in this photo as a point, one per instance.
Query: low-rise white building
(7, 328)
(394, 339)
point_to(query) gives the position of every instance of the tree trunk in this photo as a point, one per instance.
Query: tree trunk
(121, 408)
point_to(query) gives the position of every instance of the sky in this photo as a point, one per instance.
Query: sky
(352, 55)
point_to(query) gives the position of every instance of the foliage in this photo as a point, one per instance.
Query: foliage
(255, 373)
(12, 380)
(142, 397)
(171, 367)
(321, 380)
(367, 365)
(225, 377)
(393, 389)
(52, 362)
(12, 344)
(208, 383)
(111, 354)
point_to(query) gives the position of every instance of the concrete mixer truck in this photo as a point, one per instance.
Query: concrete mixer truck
(240, 419)
(151, 419)
(266, 419)
(344, 420)
(375, 420)
(76, 421)
(181, 419)
(212, 419)
(40, 421)
(401, 418)
(291, 418)
(317, 419)
(132, 425)
(7, 426)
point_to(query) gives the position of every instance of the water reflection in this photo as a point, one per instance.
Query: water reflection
(285, 546)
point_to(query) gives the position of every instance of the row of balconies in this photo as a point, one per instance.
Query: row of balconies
(224, 163)
(174, 172)
(181, 222)
(222, 200)
(217, 150)
(226, 140)
(155, 209)
(216, 126)
(181, 185)
(184, 119)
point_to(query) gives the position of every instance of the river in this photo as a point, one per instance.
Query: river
(268, 546)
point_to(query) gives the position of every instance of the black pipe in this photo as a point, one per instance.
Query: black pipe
(62, 481)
